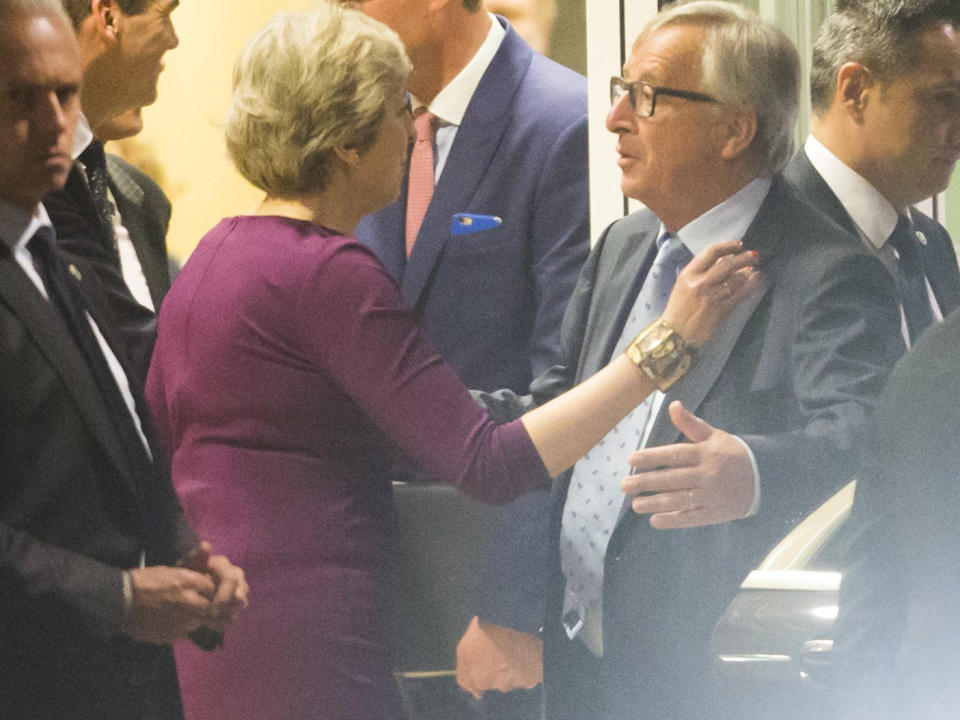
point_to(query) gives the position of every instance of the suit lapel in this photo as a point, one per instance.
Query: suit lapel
(816, 192)
(624, 265)
(130, 200)
(474, 147)
(56, 343)
(765, 235)
(938, 262)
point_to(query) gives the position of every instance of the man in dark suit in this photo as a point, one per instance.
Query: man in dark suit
(898, 642)
(141, 219)
(886, 134)
(90, 529)
(122, 43)
(509, 142)
(775, 409)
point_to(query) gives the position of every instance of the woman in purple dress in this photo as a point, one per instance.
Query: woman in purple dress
(287, 375)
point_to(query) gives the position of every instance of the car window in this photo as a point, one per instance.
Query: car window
(833, 553)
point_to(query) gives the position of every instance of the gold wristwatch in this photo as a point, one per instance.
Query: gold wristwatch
(661, 353)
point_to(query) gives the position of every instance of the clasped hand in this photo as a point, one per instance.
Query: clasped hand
(706, 481)
(171, 602)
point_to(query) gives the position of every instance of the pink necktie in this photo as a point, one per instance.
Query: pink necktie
(420, 184)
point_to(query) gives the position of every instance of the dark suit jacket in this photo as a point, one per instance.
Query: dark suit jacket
(145, 212)
(939, 256)
(492, 301)
(898, 631)
(71, 515)
(793, 372)
(82, 236)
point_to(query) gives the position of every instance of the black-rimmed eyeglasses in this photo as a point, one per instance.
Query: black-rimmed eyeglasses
(643, 96)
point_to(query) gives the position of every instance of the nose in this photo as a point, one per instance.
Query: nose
(51, 114)
(173, 40)
(620, 117)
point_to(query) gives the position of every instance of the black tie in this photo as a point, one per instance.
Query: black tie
(68, 301)
(95, 165)
(911, 279)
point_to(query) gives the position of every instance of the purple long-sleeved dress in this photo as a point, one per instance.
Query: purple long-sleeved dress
(287, 375)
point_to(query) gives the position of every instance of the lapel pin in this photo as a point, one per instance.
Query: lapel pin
(75, 272)
(921, 238)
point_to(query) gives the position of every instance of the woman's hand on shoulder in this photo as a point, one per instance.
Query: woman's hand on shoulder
(707, 290)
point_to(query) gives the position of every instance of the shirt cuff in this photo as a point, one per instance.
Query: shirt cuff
(127, 597)
(755, 506)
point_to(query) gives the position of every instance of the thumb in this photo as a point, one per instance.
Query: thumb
(694, 428)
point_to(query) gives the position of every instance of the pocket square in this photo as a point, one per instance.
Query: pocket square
(467, 223)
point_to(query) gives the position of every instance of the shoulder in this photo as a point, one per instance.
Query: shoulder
(805, 229)
(546, 92)
(632, 227)
(933, 232)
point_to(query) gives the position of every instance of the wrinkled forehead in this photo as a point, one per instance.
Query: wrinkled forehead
(670, 55)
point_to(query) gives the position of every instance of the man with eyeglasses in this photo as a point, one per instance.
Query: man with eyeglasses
(768, 422)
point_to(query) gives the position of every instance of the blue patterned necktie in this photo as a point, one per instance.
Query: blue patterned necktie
(594, 498)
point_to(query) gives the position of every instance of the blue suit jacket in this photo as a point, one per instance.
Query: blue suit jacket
(492, 301)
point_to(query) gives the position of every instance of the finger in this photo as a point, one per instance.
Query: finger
(662, 481)
(695, 429)
(197, 558)
(684, 519)
(666, 502)
(727, 265)
(664, 456)
(741, 285)
(199, 583)
(706, 258)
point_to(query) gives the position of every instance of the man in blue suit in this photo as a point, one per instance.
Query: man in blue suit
(509, 141)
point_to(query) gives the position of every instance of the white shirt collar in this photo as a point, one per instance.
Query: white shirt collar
(82, 137)
(17, 227)
(450, 104)
(872, 213)
(727, 221)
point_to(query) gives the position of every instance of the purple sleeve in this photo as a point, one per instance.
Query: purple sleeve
(353, 322)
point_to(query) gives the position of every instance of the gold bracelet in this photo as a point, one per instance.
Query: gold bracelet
(662, 353)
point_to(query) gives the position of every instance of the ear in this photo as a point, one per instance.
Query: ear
(349, 156)
(740, 129)
(854, 83)
(103, 18)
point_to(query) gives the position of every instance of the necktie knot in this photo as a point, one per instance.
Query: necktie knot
(43, 244)
(424, 124)
(94, 157)
(672, 253)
